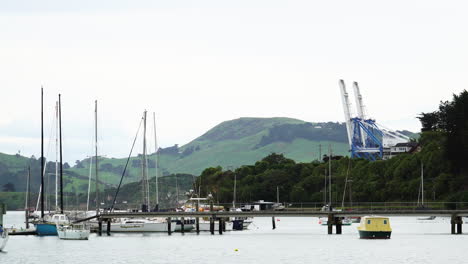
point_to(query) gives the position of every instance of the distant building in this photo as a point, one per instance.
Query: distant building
(399, 148)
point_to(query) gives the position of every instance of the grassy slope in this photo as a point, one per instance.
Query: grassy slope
(231, 143)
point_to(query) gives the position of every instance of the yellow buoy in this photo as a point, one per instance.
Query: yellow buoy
(236, 249)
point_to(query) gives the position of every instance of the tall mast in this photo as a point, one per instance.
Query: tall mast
(235, 187)
(42, 152)
(61, 161)
(56, 155)
(277, 194)
(26, 207)
(144, 175)
(157, 162)
(96, 156)
(177, 190)
(330, 174)
(422, 184)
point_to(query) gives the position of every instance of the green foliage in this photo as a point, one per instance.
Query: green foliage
(452, 119)
(397, 179)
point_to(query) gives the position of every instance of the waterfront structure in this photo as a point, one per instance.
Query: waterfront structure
(367, 139)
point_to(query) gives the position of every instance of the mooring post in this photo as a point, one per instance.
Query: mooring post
(330, 224)
(459, 221)
(108, 227)
(338, 224)
(273, 223)
(220, 226)
(169, 231)
(212, 224)
(224, 226)
(182, 225)
(100, 227)
(452, 224)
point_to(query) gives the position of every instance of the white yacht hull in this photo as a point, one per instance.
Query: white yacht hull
(141, 227)
(73, 234)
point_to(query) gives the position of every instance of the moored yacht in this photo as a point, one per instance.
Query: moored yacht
(48, 226)
(73, 232)
(141, 225)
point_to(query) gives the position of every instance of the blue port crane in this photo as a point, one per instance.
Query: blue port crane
(366, 138)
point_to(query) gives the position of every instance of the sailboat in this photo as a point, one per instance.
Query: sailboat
(242, 222)
(421, 194)
(47, 224)
(328, 206)
(143, 224)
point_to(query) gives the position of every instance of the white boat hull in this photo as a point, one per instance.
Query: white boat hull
(141, 227)
(73, 234)
(3, 239)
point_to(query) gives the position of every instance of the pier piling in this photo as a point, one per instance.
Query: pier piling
(220, 226)
(197, 225)
(459, 222)
(330, 224)
(273, 222)
(456, 225)
(108, 227)
(100, 227)
(182, 225)
(338, 225)
(212, 225)
(169, 226)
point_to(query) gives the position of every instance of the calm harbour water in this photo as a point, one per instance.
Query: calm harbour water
(295, 240)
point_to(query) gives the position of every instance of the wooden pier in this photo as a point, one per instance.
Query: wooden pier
(334, 217)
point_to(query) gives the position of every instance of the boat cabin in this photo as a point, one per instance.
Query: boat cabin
(374, 227)
(258, 206)
(59, 219)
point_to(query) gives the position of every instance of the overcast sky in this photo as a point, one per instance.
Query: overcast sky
(198, 63)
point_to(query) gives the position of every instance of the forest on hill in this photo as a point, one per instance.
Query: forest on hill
(444, 151)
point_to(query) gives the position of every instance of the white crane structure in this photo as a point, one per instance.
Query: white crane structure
(367, 139)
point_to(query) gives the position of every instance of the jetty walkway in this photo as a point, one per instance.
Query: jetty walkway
(334, 217)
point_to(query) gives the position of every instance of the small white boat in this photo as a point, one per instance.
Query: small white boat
(73, 232)
(141, 225)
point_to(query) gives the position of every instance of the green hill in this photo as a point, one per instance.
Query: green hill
(232, 143)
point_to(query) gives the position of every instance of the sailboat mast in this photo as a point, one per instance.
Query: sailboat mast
(26, 207)
(277, 194)
(61, 161)
(330, 175)
(422, 184)
(42, 152)
(235, 187)
(157, 162)
(177, 190)
(56, 155)
(96, 156)
(144, 176)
